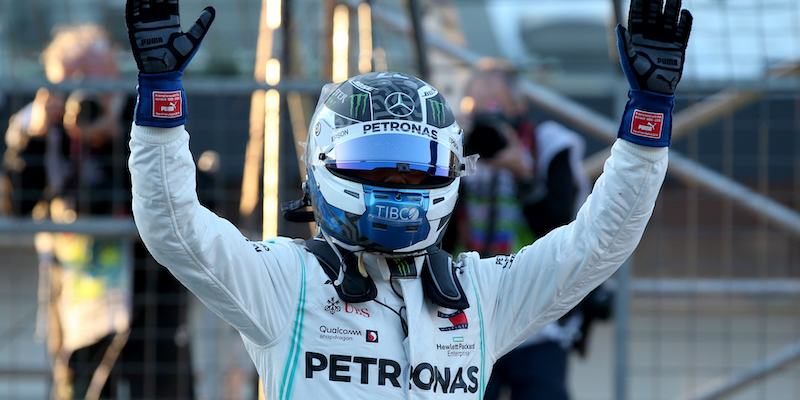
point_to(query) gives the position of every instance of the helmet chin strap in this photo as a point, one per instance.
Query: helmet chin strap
(342, 264)
(291, 208)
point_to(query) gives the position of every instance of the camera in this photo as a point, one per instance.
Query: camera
(83, 108)
(486, 136)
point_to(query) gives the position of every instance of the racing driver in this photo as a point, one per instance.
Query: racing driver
(371, 307)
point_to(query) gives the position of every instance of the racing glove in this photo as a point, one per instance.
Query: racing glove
(162, 51)
(651, 52)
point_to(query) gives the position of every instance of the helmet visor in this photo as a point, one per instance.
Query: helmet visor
(405, 152)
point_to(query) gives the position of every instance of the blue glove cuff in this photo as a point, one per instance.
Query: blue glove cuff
(161, 102)
(648, 118)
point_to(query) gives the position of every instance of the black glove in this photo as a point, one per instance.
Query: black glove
(655, 46)
(651, 52)
(162, 52)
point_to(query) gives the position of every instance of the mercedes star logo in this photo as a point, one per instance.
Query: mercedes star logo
(399, 104)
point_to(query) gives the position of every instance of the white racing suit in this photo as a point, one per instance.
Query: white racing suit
(306, 343)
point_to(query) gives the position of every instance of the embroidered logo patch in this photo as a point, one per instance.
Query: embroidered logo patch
(167, 104)
(402, 267)
(458, 320)
(647, 124)
(333, 306)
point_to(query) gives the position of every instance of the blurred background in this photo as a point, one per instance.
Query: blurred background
(706, 308)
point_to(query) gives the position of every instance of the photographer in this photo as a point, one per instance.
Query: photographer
(530, 180)
(66, 159)
(59, 147)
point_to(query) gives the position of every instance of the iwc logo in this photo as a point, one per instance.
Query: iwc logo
(399, 104)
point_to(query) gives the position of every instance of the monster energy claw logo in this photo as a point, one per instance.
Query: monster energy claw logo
(358, 101)
(437, 110)
(402, 267)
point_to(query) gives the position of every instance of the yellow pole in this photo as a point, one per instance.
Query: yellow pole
(264, 131)
(341, 43)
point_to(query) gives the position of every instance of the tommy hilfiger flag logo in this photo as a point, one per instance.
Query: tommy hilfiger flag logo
(458, 320)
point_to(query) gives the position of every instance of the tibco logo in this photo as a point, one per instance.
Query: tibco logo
(405, 214)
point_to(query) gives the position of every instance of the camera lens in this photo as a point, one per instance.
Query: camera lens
(485, 138)
(89, 112)
(83, 107)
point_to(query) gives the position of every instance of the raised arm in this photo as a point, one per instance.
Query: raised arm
(549, 277)
(242, 282)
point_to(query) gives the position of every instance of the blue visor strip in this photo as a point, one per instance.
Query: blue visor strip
(387, 150)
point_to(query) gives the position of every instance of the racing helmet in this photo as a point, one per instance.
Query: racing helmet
(383, 121)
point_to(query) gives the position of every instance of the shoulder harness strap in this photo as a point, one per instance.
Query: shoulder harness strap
(354, 288)
(439, 281)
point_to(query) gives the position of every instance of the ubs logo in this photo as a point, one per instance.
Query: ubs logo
(399, 104)
(333, 306)
(351, 309)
